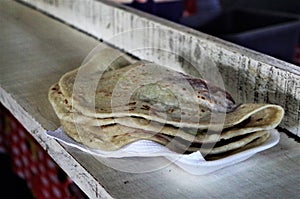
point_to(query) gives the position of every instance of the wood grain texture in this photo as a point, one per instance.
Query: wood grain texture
(34, 53)
(36, 50)
(248, 75)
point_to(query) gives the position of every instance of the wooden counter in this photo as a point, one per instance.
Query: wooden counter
(36, 50)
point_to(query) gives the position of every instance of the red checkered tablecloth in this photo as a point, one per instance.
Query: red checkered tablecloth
(30, 162)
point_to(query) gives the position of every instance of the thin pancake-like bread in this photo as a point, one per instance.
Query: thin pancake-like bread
(170, 98)
(255, 117)
(110, 102)
(96, 138)
(221, 146)
(64, 110)
(144, 89)
(113, 137)
(257, 142)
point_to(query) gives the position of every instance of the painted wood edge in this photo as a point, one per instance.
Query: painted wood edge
(77, 173)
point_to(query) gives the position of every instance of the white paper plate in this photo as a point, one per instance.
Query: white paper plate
(193, 163)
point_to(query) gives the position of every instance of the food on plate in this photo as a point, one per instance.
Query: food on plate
(110, 102)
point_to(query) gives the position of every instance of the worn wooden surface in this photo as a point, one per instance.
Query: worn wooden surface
(248, 75)
(36, 50)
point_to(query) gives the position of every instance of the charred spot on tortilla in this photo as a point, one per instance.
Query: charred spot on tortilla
(219, 100)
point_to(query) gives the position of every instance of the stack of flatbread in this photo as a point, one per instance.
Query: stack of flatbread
(110, 102)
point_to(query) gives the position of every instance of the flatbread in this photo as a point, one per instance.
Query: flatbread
(98, 137)
(114, 137)
(219, 147)
(64, 110)
(171, 98)
(255, 117)
(110, 102)
(257, 142)
(146, 90)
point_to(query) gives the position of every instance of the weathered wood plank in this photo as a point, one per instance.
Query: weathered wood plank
(248, 75)
(36, 50)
